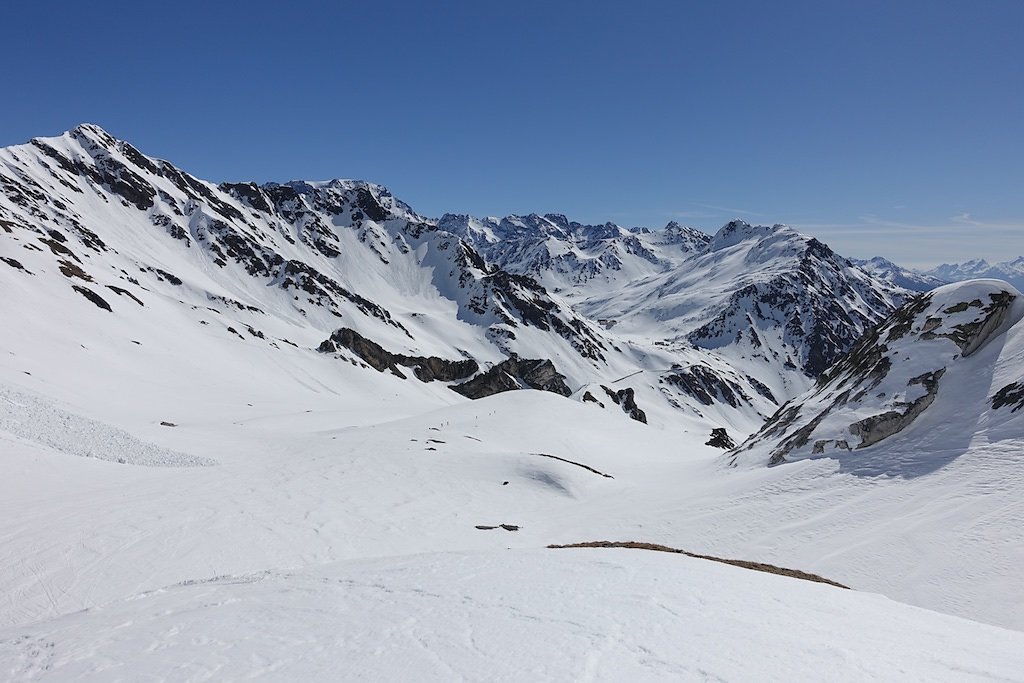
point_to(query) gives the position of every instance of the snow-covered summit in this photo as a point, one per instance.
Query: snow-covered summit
(907, 278)
(1012, 271)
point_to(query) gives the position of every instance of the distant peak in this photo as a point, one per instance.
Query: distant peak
(558, 219)
(737, 231)
(89, 128)
(92, 133)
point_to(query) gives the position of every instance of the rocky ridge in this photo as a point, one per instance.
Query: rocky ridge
(891, 376)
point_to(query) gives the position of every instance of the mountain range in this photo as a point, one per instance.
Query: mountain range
(225, 400)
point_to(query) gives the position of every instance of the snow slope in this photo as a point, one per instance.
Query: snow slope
(594, 615)
(929, 374)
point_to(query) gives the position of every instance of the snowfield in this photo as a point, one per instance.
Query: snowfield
(192, 489)
(511, 615)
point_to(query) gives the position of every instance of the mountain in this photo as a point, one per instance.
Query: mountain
(312, 263)
(907, 278)
(307, 407)
(1011, 271)
(941, 374)
(771, 300)
(571, 258)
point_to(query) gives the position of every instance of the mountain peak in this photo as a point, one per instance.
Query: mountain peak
(90, 132)
(736, 231)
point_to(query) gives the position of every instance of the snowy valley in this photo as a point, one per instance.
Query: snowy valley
(301, 432)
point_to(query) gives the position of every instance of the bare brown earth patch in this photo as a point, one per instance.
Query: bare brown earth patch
(756, 566)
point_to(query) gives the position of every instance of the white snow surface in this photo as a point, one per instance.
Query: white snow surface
(512, 615)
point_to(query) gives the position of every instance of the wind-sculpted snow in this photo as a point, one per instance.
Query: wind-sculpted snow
(39, 420)
(932, 347)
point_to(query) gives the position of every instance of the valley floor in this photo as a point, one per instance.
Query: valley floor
(333, 536)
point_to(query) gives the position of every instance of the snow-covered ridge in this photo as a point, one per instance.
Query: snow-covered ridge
(936, 350)
(907, 278)
(1012, 271)
(117, 227)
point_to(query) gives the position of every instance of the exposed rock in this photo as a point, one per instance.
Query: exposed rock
(707, 386)
(878, 389)
(13, 263)
(720, 439)
(426, 369)
(120, 291)
(515, 373)
(873, 429)
(821, 444)
(626, 399)
(1010, 395)
(93, 297)
(971, 336)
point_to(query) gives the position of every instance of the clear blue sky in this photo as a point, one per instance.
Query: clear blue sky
(881, 127)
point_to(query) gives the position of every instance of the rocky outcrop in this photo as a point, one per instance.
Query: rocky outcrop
(873, 429)
(1012, 396)
(707, 386)
(515, 373)
(720, 439)
(626, 399)
(426, 368)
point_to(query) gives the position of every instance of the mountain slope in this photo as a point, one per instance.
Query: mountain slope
(938, 374)
(107, 227)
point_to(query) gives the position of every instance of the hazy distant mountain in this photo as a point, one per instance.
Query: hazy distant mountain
(1011, 271)
(899, 276)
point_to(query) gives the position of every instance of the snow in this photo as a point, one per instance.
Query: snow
(37, 420)
(590, 615)
(334, 534)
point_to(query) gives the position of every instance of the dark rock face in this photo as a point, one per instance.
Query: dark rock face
(626, 399)
(707, 386)
(426, 368)
(720, 439)
(1010, 395)
(513, 373)
(13, 263)
(972, 336)
(93, 297)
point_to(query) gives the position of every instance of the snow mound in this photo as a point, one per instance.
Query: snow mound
(38, 420)
(609, 615)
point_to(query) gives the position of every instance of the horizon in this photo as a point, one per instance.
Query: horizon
(881, 130)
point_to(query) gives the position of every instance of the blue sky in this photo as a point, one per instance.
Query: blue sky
(882, 127)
